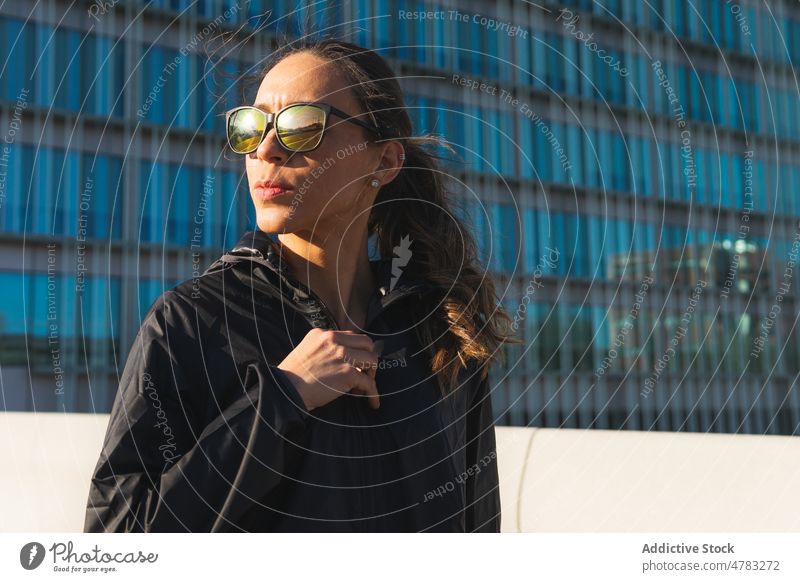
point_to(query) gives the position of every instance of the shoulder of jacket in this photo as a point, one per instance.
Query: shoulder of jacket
(170, 309)
(198, 303)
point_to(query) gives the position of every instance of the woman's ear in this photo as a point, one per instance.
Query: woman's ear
(391, 161)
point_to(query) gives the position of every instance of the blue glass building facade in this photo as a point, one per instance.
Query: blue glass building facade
(631, 171)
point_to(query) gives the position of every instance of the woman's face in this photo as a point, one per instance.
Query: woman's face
(329, 187)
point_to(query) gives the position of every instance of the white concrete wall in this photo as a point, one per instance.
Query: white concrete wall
(628, 481)
(47, 459)
(550, 480)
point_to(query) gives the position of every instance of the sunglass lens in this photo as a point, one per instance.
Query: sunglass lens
(300, 127)
(245, 129)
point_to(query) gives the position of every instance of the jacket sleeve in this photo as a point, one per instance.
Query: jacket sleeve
(482, 486)
(166, 465)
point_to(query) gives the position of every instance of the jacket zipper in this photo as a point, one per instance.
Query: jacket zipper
(323, 307)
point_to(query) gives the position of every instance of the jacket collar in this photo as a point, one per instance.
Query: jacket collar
(261, 247)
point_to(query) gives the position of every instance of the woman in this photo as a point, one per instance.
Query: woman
(250, 402)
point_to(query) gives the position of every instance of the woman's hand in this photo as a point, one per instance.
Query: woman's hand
(324, 366)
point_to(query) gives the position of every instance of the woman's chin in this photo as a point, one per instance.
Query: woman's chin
(274, 220)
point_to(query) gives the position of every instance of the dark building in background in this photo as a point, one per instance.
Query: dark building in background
(632, 173)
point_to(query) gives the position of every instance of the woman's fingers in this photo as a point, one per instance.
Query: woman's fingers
(365, 360)
(361, 350)
(329, 363)
(353, 339)
(364, 385)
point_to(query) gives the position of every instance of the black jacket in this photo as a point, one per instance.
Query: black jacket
(206, 434)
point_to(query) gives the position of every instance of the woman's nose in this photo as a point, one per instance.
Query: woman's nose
(270, 149)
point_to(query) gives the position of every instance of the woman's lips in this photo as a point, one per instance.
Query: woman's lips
(269, 192)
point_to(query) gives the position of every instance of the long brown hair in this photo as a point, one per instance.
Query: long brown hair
(468, 323)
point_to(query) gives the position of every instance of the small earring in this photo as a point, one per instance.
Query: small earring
(402, 157)
(375, 183)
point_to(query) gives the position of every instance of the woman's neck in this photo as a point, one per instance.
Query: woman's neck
(336, 268)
